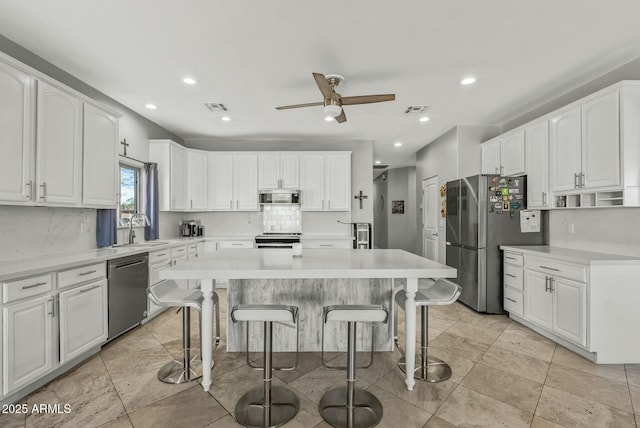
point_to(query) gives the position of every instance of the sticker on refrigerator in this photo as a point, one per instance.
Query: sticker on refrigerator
(502, 181)
(514, 190)
(505, 191)
(519, 197)
(493, 199)
(494, 180)
(515, 205)
(505, 206)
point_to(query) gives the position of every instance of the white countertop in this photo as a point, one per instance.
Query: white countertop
(328, 237)
(46, 263)
(314, 263)
(571, 255)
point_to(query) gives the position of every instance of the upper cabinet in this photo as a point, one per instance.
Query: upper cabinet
(536, 137)
(565, 149)
(58, 146)
(504, 155)
(172, 174)
(325, 181)
(197, 180)
(233, 181)
(100, 166)
(279, 170)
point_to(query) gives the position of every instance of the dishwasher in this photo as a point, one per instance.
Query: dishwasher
(128, 279)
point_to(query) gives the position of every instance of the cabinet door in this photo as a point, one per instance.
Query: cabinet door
(269, 171)
(601, 142)
(565, 142)
(312, 182)
(537, 156)
(100, 165)
(15, 122)
(245, 182)
(289, 170)
(338, 182)
(27, 346)
(538, 300)
(569, 313)
(491, 157)
(512, 154)
(178, 177)
(220, 186)
(58, 146)
(197, 180)
(83, 319)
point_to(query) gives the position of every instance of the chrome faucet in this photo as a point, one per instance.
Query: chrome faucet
(132, 234)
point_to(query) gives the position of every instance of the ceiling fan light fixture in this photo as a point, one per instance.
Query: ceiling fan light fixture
(329, 118)
(332, 111)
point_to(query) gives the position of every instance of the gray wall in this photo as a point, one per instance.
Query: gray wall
(380, 216)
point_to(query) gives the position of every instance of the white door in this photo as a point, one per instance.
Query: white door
(100, 165)
(601, 142)
(538, 299)
(430, 214)
(58, 146)
(269, 171)
(245, 181)
(83, 319)
(197, 180)
(220, 177)
(27, 346)
(491, 157)
(289, 170)
(178, 177)
(338, 182)
(570, 302)
(15, 122)
(565, 142)
(312, 181)
(537, 155)
(512, 154)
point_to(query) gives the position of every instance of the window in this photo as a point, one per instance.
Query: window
(129, 194)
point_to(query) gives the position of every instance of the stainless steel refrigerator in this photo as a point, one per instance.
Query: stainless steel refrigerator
(483, 212)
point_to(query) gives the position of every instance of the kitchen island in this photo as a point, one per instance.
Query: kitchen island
(336, 269)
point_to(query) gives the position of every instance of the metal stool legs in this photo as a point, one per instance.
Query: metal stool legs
(269, 406)
(190, 368)
(429, 369)
(350, 407)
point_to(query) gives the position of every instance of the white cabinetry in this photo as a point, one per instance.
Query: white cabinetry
(233, 181)
(16, 102)
(325, 181)
(100, 166)
(327, 244)
(537, 157)
(172, 174)
(279, 170)
(504, 155)
(58, 146)
(513, 281)
(490, 153)
(158, 260)
(197, 180)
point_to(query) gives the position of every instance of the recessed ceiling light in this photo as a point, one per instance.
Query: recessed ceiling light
(424, 119)
(328, 119)
(377, 162)
(398, 144)
(189, 81)
(468, 80)
(151, 106)
(225, 118)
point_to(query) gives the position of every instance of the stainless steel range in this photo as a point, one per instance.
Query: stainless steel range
(277, 240)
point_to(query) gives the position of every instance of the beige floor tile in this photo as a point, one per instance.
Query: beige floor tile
(307, 362)
(460, 366)
(539, 422)
(307, 416)
(476, 332)
(315, 383)
(383, 362)
(504, 386)
(427, 396)
(190, 408)
(468, 408)
(567, 358)
(457, 345)
(12, 420)
(226, 422)
(635, 399)
(397, 412)
(436, 422)
(133, 341)
(516, 363)
(488, 321)
(570, 410)
(633, 374)
(455, 311)
(527, 344)
(88, 410)
(125, 364)
(123, 422)
(589, 386)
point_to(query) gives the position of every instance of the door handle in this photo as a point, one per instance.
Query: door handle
(510, 299)
(512, 276)
(434, 234)
(89, 289)
(44, 190)
(576, 184)
(37, 284)
(544, 198)
(551, 287)
(546, 283)
(582, 180)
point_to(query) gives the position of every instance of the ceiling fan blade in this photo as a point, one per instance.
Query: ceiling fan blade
(323, 85)
(299, 105)
(341, 117)
(366, 99)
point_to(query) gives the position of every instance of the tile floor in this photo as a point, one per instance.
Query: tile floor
(504, 375)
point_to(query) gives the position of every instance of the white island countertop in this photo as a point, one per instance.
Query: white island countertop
(571, 255)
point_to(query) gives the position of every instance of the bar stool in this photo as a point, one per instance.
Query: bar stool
(267, 406)
(168, 293)
(441, 292)
(351, 407)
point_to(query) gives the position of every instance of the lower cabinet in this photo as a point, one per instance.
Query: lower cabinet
(539, 301)
(27, 342)
(83, 319)
(327, 243)
(569, 307)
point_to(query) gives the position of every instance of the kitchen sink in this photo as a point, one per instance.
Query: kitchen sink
(142, 244)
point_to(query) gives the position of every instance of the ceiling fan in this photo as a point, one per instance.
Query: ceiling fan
(333, 101)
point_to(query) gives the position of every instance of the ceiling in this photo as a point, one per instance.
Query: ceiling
(253, 56)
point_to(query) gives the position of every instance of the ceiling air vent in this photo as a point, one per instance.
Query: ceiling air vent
(416, 109)
(380, 166)
(216, 107)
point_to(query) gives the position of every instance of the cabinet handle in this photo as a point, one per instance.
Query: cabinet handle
(230, 205)
(43, 186)
(162, 254)
(510, 258)
(322, 204)
(28, 194)
(497, 172)
(501, 170)
(512, 276)
(191, 203)
(50, 301)
(235, 244)
(326, 245)
(582, 180)
(87, 273)
(89, 289)
(546, 283)
(549, 268)
(576, 183)
(329, 204)
(38, 284)
(544, 198)
(237, 205)
(510, 299)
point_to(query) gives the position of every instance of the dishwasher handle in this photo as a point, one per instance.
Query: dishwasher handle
(134, 263)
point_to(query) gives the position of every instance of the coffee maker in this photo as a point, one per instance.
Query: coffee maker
(191, 228)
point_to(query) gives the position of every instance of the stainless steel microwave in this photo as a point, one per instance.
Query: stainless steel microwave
(279, 196)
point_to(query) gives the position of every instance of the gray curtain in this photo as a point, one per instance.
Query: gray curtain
(106, 227)
(152, 231)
